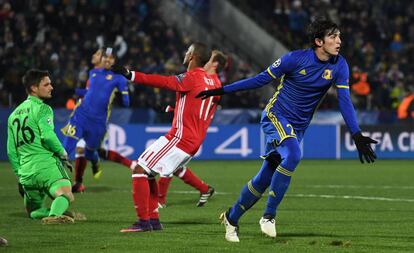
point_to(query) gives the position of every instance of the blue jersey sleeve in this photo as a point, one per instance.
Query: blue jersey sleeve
(344, 99)
(277, 69)
(123, 88)
(80, 92)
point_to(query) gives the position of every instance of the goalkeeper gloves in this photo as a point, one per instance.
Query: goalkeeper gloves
(208, 93)
(363, 144)
(66, 163)
(121, 70)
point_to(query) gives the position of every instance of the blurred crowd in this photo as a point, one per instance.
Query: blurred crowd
(61, 35)
(377, 41)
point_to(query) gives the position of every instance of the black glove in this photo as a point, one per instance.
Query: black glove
(21, 190)
(363, 144)
(66, 163)
(208, 93)
(121, 70)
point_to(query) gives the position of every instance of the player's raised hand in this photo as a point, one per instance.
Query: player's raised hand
(363, 144)
(121, 70)
(208, 93)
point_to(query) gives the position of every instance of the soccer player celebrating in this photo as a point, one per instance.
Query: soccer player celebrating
(101, 60)
(192, 118)
(306, 75)
(36, 154)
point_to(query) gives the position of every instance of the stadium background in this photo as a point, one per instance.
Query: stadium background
(340, 206)
(152, 36)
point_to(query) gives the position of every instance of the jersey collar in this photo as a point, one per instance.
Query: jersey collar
(35, 99)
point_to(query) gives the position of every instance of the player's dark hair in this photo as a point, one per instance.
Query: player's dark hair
(202, 53)
(220, 58)
(33, 77)
(319, 28)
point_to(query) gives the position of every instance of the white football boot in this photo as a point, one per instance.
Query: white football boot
(231, 231)
(268, 226)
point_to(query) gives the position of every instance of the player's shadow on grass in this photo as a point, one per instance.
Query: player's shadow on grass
(305, 234)
(21, 214)
(99, 189)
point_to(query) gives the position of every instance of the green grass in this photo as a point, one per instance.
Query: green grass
(331, 206)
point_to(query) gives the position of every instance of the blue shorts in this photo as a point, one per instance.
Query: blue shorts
(276, 129)
(80, 127)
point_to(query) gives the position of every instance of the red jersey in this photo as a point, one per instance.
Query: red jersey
(192, 116)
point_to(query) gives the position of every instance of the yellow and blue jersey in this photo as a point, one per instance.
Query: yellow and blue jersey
(304, 81)
(103, 84)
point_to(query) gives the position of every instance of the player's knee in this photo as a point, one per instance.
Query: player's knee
(103, 153)
(293, 158)
(274, 160)
(138, 170)
(178, 172)
(80, 151)
(91, 154)
(65, 192)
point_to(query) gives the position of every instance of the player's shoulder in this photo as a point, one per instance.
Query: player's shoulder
(340, 61)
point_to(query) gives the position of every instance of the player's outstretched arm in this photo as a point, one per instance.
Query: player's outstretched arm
(180, 83)
(255, 82)
(363, 144)
(208, 93)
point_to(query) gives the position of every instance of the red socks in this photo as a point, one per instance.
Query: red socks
(153, 198)
(141, 195)
(80, 165)
(163, 185)
(191, 179)
(116, 157)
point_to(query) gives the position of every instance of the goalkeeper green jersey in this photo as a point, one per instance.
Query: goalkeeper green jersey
(32, 143)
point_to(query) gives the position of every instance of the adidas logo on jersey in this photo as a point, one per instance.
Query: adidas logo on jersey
(302, 72)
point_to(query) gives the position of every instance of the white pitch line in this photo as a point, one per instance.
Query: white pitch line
(348, 197)
(324, 196)
(358, 186)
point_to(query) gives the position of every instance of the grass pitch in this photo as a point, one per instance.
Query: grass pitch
(331, 206)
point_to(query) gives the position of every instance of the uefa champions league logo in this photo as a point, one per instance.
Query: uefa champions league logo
(117, 140)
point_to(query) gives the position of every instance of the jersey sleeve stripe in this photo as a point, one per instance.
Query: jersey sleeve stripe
(270, 73)
(252, 190)
(342, 86)
(284, 171)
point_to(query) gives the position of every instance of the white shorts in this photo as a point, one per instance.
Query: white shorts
(163, 157)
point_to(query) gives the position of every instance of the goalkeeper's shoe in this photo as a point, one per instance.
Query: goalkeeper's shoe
(205, 196)
(97, 170)
(61, 219)
(268, 226)
(75, 215)
(156, 224)
(232, 232)
(78, 187)
(139, 226)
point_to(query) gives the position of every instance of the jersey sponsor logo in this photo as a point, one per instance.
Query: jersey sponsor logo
(327, 74)
(276, 63)
(108, 77)
(302, 72)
